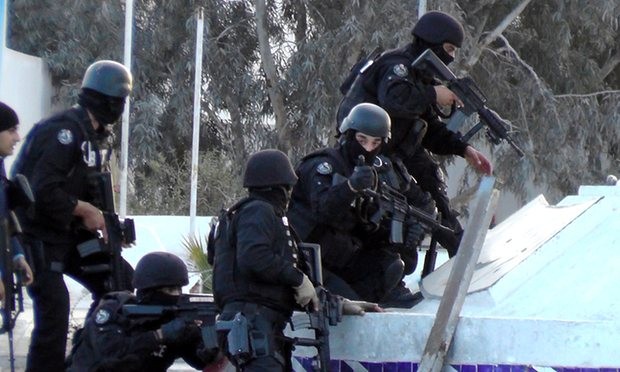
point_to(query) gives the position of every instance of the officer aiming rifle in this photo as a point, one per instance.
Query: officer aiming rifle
(148, 331)
(473, 100)
(190, 308)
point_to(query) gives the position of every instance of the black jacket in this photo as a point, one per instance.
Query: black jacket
(321, 206)
(57, 156)
(255, 258)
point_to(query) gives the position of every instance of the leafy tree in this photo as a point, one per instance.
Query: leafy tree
(272, 71)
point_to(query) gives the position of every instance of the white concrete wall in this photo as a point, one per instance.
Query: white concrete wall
(25, 85)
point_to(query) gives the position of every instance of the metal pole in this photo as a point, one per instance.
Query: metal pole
(125, 121)
(196, 131)
(447, 317)
(421, 8)
(3, 27)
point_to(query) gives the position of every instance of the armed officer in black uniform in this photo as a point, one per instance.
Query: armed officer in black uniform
(411, 98)
(255, 260)
(328, 207)
(57, 157)
(255, 265)
(113, 341)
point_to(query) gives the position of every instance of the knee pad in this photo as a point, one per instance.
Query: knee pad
(393, 274)
(410, 260)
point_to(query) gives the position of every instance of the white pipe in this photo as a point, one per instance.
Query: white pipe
(421, 8)
(4, 13)
(125, 122)
(196, 131)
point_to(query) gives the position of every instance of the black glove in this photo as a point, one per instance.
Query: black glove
(415, 234)
(177, 331)
(363, 177)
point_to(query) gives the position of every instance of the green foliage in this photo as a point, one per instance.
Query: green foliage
(196, 249)
(164, 186)
(553, 72)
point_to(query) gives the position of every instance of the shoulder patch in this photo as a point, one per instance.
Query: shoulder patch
(379, 162)
(102, 316)
(65, 136)
(324, 168)
(400, 70)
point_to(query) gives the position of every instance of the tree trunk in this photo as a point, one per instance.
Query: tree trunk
(271, 78)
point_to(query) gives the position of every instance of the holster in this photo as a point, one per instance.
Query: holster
(252, 333)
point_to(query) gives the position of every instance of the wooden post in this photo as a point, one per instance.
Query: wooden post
(447, 317)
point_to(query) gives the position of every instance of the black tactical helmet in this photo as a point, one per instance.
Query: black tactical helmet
(160, 269)
(369, 119)
(437, 28)
(269, 168)
(109, 78)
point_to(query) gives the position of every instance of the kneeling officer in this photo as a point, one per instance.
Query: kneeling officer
(112, 341)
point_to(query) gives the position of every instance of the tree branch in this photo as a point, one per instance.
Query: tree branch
(610, 65)
(587, 94)
(490, 37)
(271, 77)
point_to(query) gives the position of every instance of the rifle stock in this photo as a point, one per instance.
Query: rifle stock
(474, 101)
(120, 234)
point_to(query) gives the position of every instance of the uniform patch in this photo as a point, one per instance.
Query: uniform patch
(65, 136)
(400, 70)
(378, 162)
(102, 316)
(324, 168)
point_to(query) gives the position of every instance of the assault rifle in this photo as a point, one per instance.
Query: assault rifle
(329, 314)
(13, 303)
(19, 195)
(198, 308)
(473, 99)
(120, 234)
(201, 310)
(394, 205)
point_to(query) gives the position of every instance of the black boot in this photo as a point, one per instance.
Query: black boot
(401, 297)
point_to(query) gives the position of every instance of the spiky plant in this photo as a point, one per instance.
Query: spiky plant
(196, 249)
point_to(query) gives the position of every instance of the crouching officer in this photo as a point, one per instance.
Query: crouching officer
(328, 207)
(112, 341)
(255, 263)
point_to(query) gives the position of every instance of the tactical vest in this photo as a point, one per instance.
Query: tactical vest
(231, 285)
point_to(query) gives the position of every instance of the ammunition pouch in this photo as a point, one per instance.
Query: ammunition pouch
(407, 147)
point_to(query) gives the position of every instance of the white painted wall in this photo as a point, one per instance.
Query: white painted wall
(25, 85)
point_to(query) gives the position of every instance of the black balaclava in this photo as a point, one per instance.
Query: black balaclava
(420, 46)
(278, 196)
(153, 296)
(106, 109)
(352, 149)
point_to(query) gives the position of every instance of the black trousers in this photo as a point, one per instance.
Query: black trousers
(51, 304)
(430, 178)
(368, 276)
